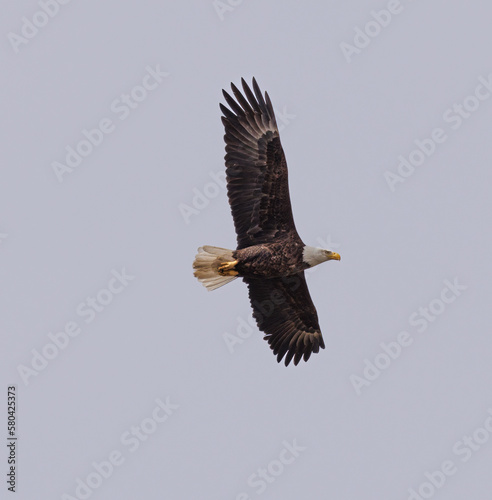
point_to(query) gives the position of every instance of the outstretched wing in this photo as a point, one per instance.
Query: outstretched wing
(283, 309)
(256, 169)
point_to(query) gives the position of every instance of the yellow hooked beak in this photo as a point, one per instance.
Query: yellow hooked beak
(334, 256)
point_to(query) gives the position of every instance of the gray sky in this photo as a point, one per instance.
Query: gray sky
(131, 380)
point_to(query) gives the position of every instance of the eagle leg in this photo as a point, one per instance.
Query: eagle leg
(227, 268)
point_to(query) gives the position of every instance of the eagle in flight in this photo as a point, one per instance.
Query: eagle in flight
(270, 256)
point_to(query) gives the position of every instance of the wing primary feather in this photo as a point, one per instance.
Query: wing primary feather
(241, 100)
(259, 96)
(226, 112)
(270, 109)
(288, 357)
(250, 96)
(233, 104)
(298, 356)
(281, 351)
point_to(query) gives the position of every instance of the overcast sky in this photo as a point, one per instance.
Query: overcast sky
(131, 380)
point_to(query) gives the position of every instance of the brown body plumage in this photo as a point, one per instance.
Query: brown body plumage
(279, 259)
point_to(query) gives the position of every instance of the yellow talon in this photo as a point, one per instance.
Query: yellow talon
(227, 268)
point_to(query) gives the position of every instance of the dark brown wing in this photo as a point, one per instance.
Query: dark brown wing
(283, 309)
(256, 169)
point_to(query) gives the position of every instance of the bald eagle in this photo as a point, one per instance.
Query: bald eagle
(270, 256)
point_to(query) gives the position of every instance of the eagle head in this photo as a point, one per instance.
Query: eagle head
(313, 256)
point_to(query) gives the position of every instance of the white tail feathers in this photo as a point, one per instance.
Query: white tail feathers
(206, 264)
